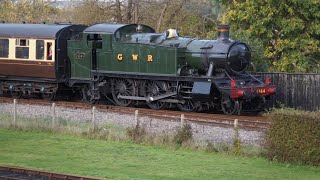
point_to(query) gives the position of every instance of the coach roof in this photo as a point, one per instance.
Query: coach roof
(31, 30)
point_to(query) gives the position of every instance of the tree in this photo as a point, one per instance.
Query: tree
(90, 12)
(29, 11)
(190, 17)
(288, 31)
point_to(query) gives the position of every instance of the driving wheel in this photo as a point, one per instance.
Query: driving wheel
(155, 88)
(123, 87)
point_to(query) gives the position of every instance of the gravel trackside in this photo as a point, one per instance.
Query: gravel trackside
(201, 132)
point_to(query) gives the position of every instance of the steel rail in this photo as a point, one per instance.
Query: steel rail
(18, 173)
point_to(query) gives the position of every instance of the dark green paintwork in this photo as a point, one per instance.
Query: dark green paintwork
(168, 55)
(79, 53)
(164, 60)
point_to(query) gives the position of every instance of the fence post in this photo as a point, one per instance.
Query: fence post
(182, 121)
(136, 118)
(94, 118)
(236, 141)
(14, 112)
(236, 129)
(53, 113)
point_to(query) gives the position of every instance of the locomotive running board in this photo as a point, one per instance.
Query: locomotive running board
(138, 98)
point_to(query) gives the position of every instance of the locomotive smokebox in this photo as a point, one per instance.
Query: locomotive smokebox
(223, 32)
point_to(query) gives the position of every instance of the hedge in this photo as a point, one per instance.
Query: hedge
(294, 136)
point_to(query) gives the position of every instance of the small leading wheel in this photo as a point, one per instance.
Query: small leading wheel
(87, 95)
(123, 87)
(155, 88)
(16, 94)
(230, 106)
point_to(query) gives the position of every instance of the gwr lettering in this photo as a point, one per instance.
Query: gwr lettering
(150, 58)
(120, 57)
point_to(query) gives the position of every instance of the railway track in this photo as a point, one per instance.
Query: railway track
(16, 173)
(244, 122)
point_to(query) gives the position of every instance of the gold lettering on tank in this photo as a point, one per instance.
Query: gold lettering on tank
(150, 58)
(134, 57)
(120, 57)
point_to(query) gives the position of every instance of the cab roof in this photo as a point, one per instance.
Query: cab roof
(122, 28)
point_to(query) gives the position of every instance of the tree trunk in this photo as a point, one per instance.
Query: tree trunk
(162, 15)
(129, 11)
(118, 11)
(176, 11)
(136, 11)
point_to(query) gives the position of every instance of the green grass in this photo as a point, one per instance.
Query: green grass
(125, 160)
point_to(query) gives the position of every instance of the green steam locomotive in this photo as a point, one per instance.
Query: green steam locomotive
(131, 64)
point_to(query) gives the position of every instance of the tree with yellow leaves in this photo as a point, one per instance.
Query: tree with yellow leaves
(29, 11)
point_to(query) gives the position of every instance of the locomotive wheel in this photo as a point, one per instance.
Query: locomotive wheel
(16, 94)
(230, 106)
(48, 95)
(87, 95)
(188, 106)
(155, 88)
(124, 87)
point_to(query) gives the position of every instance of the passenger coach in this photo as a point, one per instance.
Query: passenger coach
(33, 57)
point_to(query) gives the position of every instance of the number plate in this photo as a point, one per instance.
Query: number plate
(261, 91)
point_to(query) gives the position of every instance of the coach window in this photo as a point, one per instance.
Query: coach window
(4, 48)
(40, 49)
(49, 50)
(22, 48)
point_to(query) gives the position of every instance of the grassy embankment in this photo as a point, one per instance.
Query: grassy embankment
(126, 160)
(71, 147)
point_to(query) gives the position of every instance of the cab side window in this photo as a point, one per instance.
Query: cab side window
(4, 48)
(40, 49)
(22, 48)
(96, 40)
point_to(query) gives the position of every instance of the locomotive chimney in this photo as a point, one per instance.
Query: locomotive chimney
(223, 32)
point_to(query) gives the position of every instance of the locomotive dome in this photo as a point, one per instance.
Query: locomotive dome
(171, 33)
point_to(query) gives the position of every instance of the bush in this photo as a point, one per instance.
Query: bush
(294, 136)
(183, 135)
(136, 134)
(236, 147)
